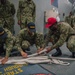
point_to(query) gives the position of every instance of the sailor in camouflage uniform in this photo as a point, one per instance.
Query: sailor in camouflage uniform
(70, 19)
(6, 43)
(27, 37)
(26, 12)
(61, 32)
(52, 39)
(7, 12)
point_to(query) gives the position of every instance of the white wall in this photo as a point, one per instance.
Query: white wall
(41, 6)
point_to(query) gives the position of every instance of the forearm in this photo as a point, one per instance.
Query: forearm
(18, 42)
(47, 40)
(41, 46)
(19, 49)
(7, 54)
(8, 50)
(60, 42)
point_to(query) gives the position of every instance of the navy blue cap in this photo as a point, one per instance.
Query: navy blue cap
(31, 27)
(3, 34)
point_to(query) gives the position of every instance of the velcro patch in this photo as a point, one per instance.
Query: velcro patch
(32, 26)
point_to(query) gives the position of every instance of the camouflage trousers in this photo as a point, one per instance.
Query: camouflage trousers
(70, 43)
(24, 21)
(7, 23)
(10, 24)
(25, 44)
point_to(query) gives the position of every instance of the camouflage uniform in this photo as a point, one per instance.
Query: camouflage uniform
(64, 33)
(70, 20)
(26, 12)
(7, 12)
(24, 40)
(7, 43)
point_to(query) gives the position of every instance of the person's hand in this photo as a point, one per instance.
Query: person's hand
(4, 60)
(23, 54)
(38, 51)
(48, 49)
(19, 22)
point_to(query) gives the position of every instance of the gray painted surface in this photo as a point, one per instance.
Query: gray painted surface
(41, 6)
(16, 27)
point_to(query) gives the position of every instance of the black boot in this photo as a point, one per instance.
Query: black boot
(27, 51)
(73, 54)
(58, 53)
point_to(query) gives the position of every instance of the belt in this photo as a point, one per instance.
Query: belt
(72, 34)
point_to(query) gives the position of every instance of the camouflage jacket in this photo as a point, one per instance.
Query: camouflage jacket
(8, 42)
(7, 10)
(26, 9)
(64, 31)
(37, 38)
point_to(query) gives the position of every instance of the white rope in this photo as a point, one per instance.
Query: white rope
(35, 54)
(55, 61)
(38, 59)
